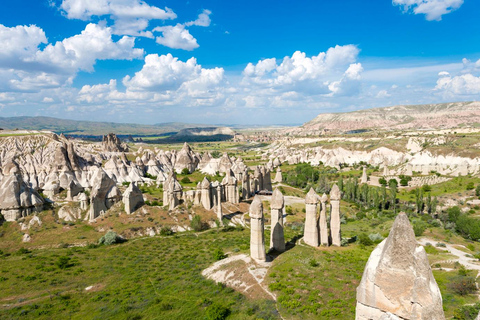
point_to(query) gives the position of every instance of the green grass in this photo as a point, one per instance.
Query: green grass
(147, 278)
(318, 284)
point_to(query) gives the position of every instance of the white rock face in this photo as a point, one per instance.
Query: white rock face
(69, 213)
(311, 234)
(335, 216)
(397, 281)
(132, 198)
(257, 238)
(26, 238)
(277, 238)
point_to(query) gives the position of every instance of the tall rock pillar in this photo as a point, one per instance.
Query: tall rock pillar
(277, 239)
(323, 221)
(335, 215)
(257, 238)
(310, 235)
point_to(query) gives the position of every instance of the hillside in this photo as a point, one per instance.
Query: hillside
(74, 127)
(428, 116)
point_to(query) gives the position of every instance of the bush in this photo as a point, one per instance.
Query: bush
(419, 227)
(185, 180)
(404, 182)
(426, 188)
(463, 285)
(218, 254)
(185, 171)
(375, 237)
(217, 312)
(467, 312)
(313, 263)
(364, 240)
(197, 224)
(64, 262)
(470, 186)
(110, 238)
(166, 231)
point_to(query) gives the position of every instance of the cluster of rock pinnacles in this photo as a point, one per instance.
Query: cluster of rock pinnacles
(316, 227)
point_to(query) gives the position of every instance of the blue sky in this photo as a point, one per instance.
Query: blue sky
(226, 62)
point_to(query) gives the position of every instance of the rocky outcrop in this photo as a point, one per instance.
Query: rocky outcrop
(277, 238)
(335, 196)
(257, 237)
(398, 280)
(70, 213)
(17, 198)
(311, 233)
(111, 143)
(322, 222)
(132, 198)
(104, 194)
(186, 159)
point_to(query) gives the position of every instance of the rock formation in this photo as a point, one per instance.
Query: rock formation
(104, 194)
(257, 238)
(278, 175)
(311, 233)
(17, 198)
(364, 178)
(172, 191)
(277, 238)
(322, 223)
(132, 198)
(398, 280)
(185, 159)
(206, 194)
(335, 196)
(70, 213)
(111, 143)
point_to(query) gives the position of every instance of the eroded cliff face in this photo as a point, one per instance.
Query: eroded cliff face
(398, 280)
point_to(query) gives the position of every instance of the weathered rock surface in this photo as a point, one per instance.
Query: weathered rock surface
(398, 280)
(335, 196)
(311, 234)
(277, 238)
(257, 238)
(104, 194)
(112, 143)
(70, 213)
(132, 198)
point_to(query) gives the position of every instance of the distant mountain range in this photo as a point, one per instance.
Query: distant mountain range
(90, 128)
(428, 116)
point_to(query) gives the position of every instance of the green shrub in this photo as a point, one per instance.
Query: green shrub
(470, 186)
(426, 188)
(216, 311)
(64, 262)
(185, 171)
(313, 263)
(218, 254)
(375, 237)
(22, 250)
(467, 312)
(110, 238)
(197, 224)
(185, 180)
(166, 231)
(364, 240)
(462, 285)
(419, 227)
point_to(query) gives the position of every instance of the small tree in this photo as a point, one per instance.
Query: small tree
(185, 171)
(110, 238)
(463, 285)
(197, 224)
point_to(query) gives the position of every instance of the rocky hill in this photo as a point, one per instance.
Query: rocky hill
(428, 116)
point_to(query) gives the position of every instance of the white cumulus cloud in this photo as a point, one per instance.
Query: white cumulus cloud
(203, 19)
(433, 9)
(176, 37)
(131, 16)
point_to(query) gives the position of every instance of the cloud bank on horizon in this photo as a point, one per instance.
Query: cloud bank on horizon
(147, 49)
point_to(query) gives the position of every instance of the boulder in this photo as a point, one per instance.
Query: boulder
(398, 279)
(132, 198)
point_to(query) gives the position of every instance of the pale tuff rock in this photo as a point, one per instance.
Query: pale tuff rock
(111, 143)
(322, 223)
(231, 192)
(172, 191)
(257, 238)
(257, 180)
(277, 238)
(335, 196)
(398, 280)
(267, 180)
(186, 159)
(17, 198)
(225, 163)
(69, 213)
(364, 178)
(132, 198)
(104, 194)
(311, 234)
(278, 175)
(206, 198)
(219, 205)
(83, 200)
(73, 190)
(26, 238)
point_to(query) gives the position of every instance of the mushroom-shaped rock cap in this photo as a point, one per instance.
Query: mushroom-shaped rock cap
(335, 193)
(256, 208)
(205, 183)
(277, 199)
(324, 198)
(312, 197)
